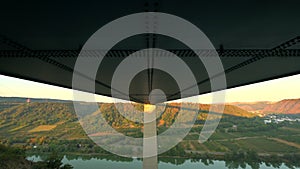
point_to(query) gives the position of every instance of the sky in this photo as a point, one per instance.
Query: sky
(273, 90)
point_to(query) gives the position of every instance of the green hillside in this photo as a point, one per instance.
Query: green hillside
(21, 122)
(26, 121)
(46, 127)
(54, 127)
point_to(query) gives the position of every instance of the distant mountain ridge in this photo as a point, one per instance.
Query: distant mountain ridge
(286, 106)
(255, 107)
(23, 100)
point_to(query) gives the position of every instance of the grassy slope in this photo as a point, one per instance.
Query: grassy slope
(28, 120)
(17, 121)
(60, 120)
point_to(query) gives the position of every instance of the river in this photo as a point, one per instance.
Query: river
(96, 163)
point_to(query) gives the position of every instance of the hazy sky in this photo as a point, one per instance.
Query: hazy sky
(273, 90)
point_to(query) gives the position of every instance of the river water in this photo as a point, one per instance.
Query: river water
(95, 163)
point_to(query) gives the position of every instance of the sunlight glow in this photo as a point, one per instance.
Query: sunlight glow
(273, 90)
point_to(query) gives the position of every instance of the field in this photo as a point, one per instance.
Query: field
(281, 140)
(18, 128)
(42, 128)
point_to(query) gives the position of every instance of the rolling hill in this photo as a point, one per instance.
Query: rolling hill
(252, 106)
(58, 119)
(26, 121)
(287, 106)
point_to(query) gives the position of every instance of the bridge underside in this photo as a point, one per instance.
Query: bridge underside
(44, 47)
